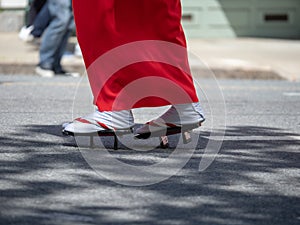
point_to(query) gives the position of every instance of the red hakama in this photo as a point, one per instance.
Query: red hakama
(135, 52)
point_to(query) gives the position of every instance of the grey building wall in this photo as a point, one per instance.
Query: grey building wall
(210, 18)
(11, 20)
(238, 18)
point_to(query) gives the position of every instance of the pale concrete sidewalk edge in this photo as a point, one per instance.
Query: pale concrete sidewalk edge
(243, 58)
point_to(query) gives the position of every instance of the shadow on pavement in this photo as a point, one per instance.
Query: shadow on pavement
(253, 180)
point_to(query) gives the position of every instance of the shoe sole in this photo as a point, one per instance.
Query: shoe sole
(168, 131)
(104, 133)
(99, 133)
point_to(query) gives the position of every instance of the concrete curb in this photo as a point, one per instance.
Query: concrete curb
(29, 69)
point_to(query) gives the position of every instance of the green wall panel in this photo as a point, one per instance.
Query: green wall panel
(239, 18)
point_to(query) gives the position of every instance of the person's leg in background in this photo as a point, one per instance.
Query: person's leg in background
(54, 39)
(35, 8)
(26, 32)
(41, 22)
(61, 50)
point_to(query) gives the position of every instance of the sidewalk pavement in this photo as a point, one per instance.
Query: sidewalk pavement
(249, 58)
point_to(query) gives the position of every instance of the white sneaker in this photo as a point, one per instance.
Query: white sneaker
(25, 34)
(44, 72)
(178, 116)
(100, 121)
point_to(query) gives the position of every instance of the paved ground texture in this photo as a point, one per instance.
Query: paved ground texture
(254, 179)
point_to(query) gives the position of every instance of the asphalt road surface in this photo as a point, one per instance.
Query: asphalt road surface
(254, 178)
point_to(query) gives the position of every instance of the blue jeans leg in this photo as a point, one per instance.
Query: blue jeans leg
(41, 21)
(54, 39)
(59, 54)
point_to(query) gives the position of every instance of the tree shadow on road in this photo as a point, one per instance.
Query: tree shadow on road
(253, 180)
